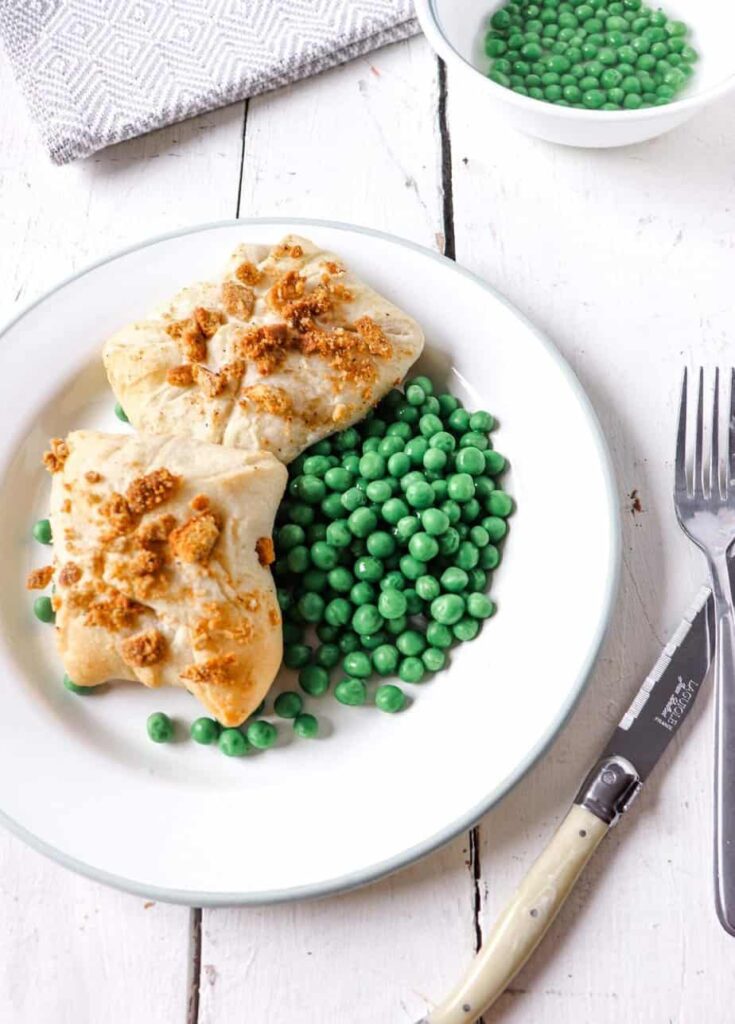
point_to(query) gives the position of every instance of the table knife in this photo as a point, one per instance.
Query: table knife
(656, 714)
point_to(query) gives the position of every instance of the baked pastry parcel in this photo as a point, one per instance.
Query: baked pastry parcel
(283, 349)
(162, 548)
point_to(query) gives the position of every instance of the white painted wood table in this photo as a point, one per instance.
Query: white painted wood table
(626, 259)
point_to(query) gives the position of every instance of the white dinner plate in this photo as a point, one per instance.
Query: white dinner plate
(79, 778)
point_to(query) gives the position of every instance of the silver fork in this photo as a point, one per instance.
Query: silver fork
(706, 513)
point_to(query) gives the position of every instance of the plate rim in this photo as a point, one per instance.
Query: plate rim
(364, 876)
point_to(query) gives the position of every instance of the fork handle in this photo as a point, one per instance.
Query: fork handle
(724, 853)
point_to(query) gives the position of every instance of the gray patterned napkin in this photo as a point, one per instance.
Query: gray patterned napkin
(96, 72)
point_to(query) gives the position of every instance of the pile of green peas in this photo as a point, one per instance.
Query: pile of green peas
(385, 542)
(589, 54)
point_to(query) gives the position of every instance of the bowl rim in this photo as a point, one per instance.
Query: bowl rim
(432, 28)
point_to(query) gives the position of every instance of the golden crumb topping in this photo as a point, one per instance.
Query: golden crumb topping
(70, 574)
(284, 249)
(194, 540)
(288, 288)
(92, 476)
(199, 503)
(208, 321)
(116, 511)
(56, 456)
(155, 531)
(267, 398)
(238, 299)
(265, 551)
(151, 490)
(216, 670)
(180, 376)
(143, 649)
(266, 346)
(113, 613)
(146, 563)
(212, 384)
(190, 337)
(39, 579)
(248, 273)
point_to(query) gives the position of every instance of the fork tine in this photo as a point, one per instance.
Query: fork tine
(680, 465)
(715, 477)
(730, 473)
(698, 467)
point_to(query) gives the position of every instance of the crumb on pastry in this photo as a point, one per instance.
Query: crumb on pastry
(194, 540)
(151, 490)
(265, 551)
(56, 456)
(143, 649)
(238, 299)
(215, 670)
(39, 579)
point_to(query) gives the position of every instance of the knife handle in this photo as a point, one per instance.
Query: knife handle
(525, 920)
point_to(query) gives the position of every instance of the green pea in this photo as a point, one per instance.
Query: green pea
(327, 655)
(411, 567)
(479, 536)
(324, 556)
(332, 507)
(288, 704)
(393, 510)
(349, 642)
(327, 634)
(438, 635)
(367, 619)
(315, 465)
(314, 680)
(423, 547)
(449, 542)
(466, 629)
(372, 640)
(371, 444)
(427, 588)
(296, 655)
(390, 698)
(160, 727)
(448, 403)
(341, 580)
(406, 527)
(379, 490)
(338, 611)
(362, 522)
(454, 580)
(393, 581)
(205, 731)
(81, 691)
(410, 643)
(357, 664)
(351, 692)
(467, 555)
(43, 609)
(411, 670)
(495, 463)
(42, 531)
(338, 536)
(471, 510)
(499, 504)
(372, 466)
(232, 743)
(369, 568)
(443, 441)
(311, 607)
(415, 394)
(381, 544)
(392, 604)
(434, 460)
(362, 593)
(470, 460)
(447, 609)
(298, 560)
(461, 487)
(338, 479)
(400, 430)
(385, 659)
(434, 659)
(261, 734)
(306, 726)
(420, 495)
(479, 606)
(489, 557)
(434, 521)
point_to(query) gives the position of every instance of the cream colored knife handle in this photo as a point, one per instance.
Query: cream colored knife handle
(525, 920)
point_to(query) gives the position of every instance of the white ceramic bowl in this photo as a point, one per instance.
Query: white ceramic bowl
(456, 29)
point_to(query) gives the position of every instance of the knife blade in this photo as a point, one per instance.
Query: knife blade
(657, 712)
